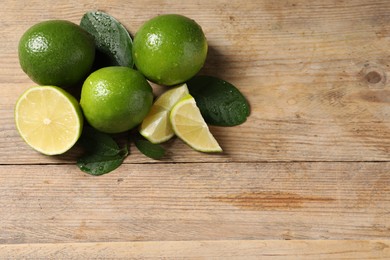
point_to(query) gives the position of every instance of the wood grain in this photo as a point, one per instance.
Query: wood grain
(231, 249)
(306, 177)
(226, 201)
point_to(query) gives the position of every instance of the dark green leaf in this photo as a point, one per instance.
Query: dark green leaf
(98, 143)
(96, 164)
(102, 152)
(149, 149)
(220, 102)
(112, 40)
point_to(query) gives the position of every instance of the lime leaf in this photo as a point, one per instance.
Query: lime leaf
(98, 143)
(102, 153)
(149, 149)
(96, 164)
(112, 40)
(220, 102)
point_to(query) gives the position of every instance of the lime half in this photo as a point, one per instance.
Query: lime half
(48, 119)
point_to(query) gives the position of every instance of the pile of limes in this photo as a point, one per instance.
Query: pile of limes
(59, 56)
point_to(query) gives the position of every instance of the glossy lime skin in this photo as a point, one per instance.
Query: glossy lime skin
(56, 52)
(115, 99)
(169, 49)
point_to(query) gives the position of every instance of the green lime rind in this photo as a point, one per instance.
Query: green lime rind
(169, 49)
(115, 99)
(56, 52)
(219, 102)
(112, 41)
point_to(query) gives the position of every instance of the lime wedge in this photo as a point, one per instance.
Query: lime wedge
(48, 119)
(156, 126)
(189, 125)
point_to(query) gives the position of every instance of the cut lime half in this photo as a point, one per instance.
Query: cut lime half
(48, 119)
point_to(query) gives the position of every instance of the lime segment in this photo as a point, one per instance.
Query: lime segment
(48, 119)
(189, 125)
(156, 127)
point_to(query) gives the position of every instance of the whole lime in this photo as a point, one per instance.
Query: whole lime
(115, 99)
(169, 49)
(56, 52)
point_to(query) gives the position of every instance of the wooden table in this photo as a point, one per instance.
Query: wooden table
(307, 176)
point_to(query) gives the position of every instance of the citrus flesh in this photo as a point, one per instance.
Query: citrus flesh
(156, 127)
(115, 99)
(48, 119)
(189, 125)
(56, 52)
(169, 49)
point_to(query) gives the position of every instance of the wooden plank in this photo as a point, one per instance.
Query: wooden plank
(201, 201)
(316, 76)
(231, 249)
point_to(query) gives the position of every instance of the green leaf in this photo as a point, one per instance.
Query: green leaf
(149, 149)
(112, 40)
(98, 143)
(102, 153)
(220, 102)
(96, 164)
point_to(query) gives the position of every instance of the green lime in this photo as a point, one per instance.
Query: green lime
(56, 52)
(115, 99)
(169, 49)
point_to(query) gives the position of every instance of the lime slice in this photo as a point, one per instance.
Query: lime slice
(156, 126)
(49, 119)
(189, 125)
